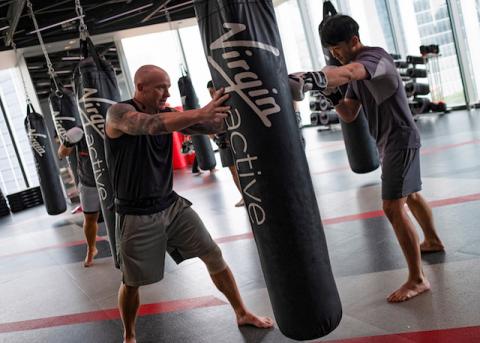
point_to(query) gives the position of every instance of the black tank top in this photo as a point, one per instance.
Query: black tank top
(141, 170)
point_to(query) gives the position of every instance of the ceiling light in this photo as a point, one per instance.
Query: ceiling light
(54, 25)
(63, 72)
(71, 58)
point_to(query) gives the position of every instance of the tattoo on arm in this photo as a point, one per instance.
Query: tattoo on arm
(205, 128)
(127, 119)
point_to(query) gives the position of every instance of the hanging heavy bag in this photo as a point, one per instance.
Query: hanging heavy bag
(272, 167)
(361, 149)
(66, 118)
(96, 90)
(201, 143)
(48, 174)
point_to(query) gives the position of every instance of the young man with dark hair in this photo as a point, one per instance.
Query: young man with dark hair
(375, 85)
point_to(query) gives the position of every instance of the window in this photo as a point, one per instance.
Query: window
(14, 105)
(469, 11)
(196, 62)
(426, 22)
(294, 44)
(161, 49)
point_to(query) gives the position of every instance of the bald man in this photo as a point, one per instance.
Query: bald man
(151, 218)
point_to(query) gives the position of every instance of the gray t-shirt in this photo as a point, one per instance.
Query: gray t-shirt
(384, 102)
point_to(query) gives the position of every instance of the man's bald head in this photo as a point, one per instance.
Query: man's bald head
(148, 73)
(151, 86)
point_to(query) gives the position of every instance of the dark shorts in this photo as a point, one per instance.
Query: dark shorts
(401, 173)
(226, 156)
(142, 241)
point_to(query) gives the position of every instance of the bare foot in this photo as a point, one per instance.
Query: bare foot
(240, 203)
(89, 259)
(251, 319)
(429, 247)
(130, 340)
(409, 290)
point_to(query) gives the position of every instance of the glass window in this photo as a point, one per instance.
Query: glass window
(372, 17)
(294, 44)
(196, 61)
(161, 49)
(426, 22)
(14, 104)
(470, 14)
(375, 26)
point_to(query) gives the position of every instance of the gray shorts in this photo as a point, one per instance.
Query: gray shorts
(401, 173)
(226, 156)
(89, 199)
(142, 241)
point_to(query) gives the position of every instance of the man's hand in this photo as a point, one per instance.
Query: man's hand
(215, 110)
(72, 137)
(300, 83)
(334, 95)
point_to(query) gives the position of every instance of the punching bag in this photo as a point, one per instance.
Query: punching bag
(201, 143)
(361, 149)
(48, 174)
(63, 106)
(96, 90)
(244, 53)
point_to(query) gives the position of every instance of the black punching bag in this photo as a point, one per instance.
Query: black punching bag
(201, 143)
(361, 149)
(244, 52)
(63, 106)
(96, 90)
(48, 174)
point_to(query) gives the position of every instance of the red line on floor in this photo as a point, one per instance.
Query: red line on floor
(454, 335)
(77, 318)
(339, 168)
(423, 151)
(363, 215)
(249, 235)
(54, 246)
(226, 239)
(433, 150)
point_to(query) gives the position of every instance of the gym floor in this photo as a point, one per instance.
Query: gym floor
(47, 296)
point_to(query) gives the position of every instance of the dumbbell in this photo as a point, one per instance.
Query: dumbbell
(412, 89)
(414, 72)
(415, 59)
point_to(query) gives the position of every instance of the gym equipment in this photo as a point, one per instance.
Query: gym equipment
(4, 209)
(413, 89)
(361, 148)
(396, 56)
(25, 199)
(415, 59)
(328, 118)
(322, 104)
(439, 106)
(96, 90)
(48, 174)
(201, 143)
(420, 105)
(62, 105)
(401, 64)
(416, 73)
(324, 118)
(286, 223)
(429, 49)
